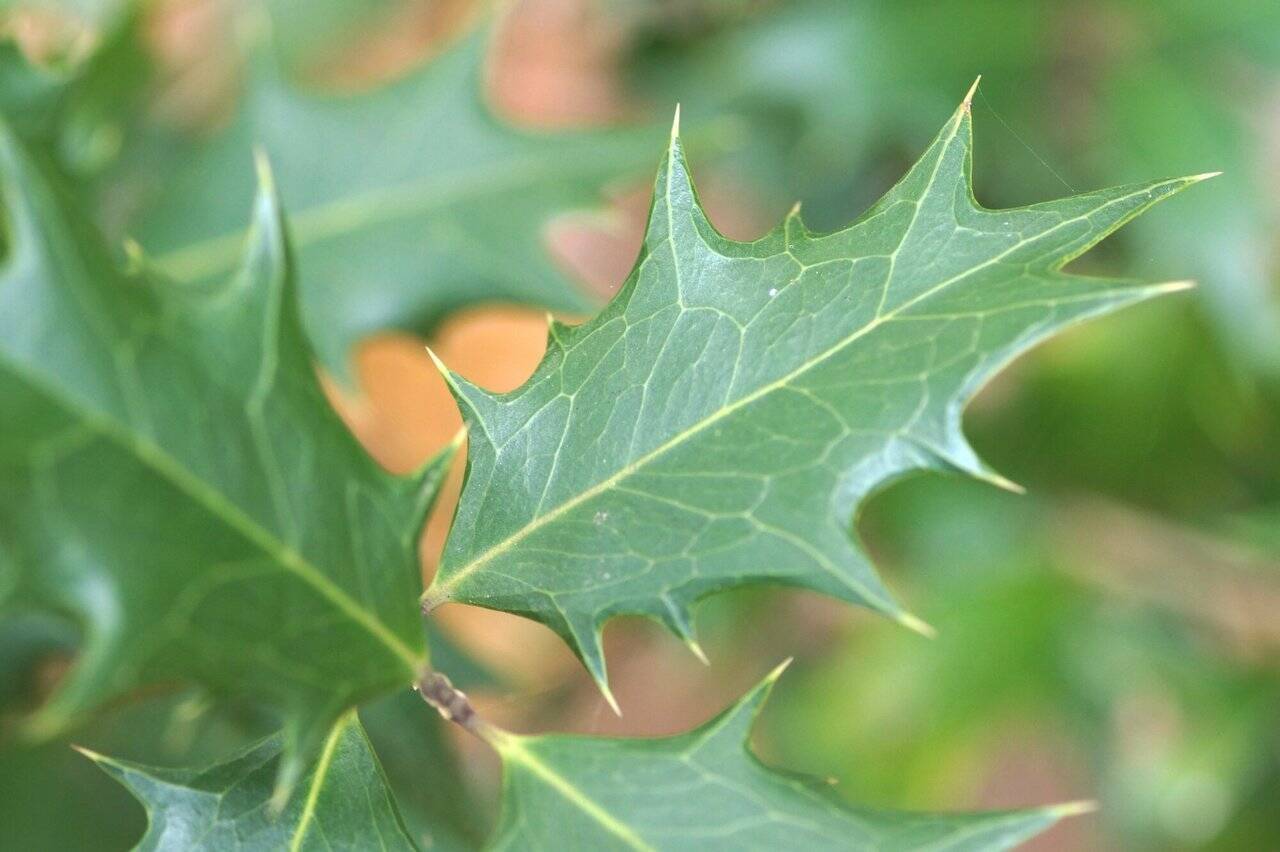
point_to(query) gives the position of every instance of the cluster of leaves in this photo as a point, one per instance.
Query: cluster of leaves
(174, 484)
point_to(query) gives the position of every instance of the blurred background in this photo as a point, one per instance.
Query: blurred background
(1113, 635)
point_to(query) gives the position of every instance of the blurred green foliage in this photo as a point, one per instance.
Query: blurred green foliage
(1035, 664)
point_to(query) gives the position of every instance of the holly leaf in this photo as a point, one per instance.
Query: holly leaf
(825, 106)
(78, 109)
(424, 772)
(707, 790)
(172, 478)
(347, 803)
(397, 197)
(722, 420)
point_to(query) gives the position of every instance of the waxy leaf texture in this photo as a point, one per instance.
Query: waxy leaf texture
(706, 790)
(721, 421)
(173, 479)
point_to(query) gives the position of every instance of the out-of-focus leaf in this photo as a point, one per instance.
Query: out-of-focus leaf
(79, 111)
(172, 478)
(86, 13)
(346, 805)
(310, 28)
(706, 790)
(406, 201)
(721, 421)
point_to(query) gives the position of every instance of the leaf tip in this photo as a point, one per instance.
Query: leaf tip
(441, 368)
(675, 125)
(1200, 177)
(262, 169)
(1171, 287)
(772, 677)
(916, 625)
(1004, 483)
(459, 438)
(696, 649)
(1071, 809)
(609, 698)
(968, 97)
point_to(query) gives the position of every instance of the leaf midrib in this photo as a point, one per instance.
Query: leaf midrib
(511, 748)
(440, 591)
(317, 783)
(168, 468)
(351, 213)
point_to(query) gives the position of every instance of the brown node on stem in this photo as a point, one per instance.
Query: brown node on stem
(450, 702)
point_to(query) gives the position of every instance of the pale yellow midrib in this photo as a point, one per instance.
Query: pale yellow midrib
(317, 782)
(343, 215)
(511, 748)
(442, 588)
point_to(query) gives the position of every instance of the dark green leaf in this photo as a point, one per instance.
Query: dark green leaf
(346, 805)
(423, 771)
(172, 477)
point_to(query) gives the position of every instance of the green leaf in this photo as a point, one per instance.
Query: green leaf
(423, 770)
(28, 93)
(172, 477)
(398, 198)
(79, 110)
(347, 803)
(825, 105)
(721, 421)
(706, 790)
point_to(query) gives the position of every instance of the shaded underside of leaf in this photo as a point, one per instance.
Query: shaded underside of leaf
(722, 420)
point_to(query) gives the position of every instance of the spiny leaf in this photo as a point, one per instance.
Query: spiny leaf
(811, 135)
(347, 803)
(397, 197)
(721, 421)
(706, 790)
(172, 477)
